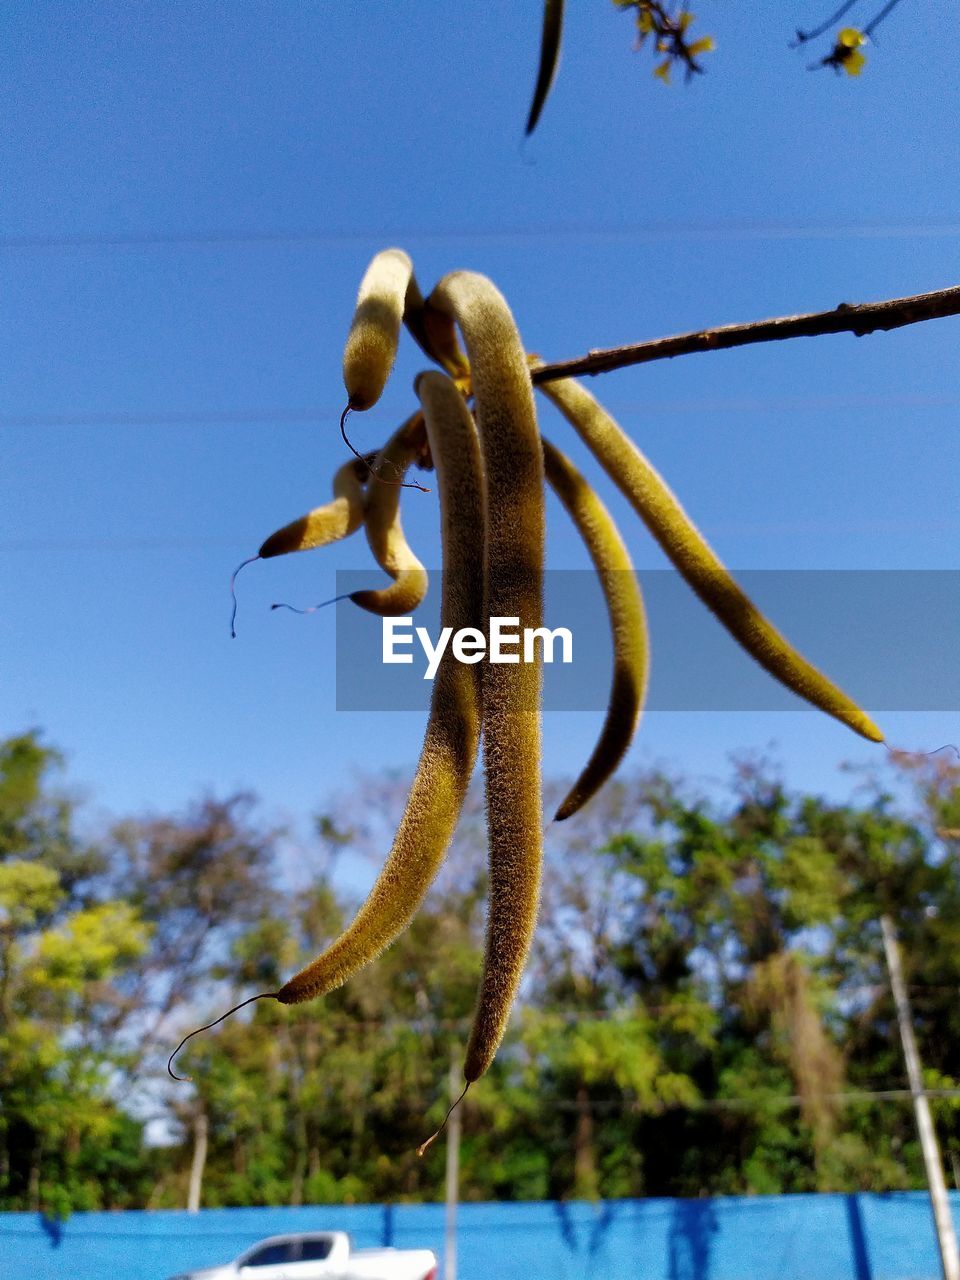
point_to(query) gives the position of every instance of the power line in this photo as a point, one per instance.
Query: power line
(112, 545)
(171, 417)
(242, 416)
(570, 1017)
(739, 528)
(649, 231)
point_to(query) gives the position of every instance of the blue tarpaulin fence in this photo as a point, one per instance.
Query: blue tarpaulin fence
(806, 1237)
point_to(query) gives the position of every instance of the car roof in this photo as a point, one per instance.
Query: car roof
(293, 1235)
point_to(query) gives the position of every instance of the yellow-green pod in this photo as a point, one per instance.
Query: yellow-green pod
(695, 559)
(384, 528)
(453, 729)
(336, 520)
(628, 624)
(513, 472)
(375, 332)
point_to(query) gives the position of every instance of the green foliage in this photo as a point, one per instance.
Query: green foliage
(63, 1138)
(706, 1012)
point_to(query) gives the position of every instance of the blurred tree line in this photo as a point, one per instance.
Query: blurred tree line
(707, 1010)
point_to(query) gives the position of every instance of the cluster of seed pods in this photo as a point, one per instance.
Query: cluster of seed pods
(491, 463)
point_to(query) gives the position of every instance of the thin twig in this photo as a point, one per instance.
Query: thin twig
(860, 319)
(804, 36)
(869, 29)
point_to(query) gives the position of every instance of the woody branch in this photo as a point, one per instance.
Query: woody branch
(859, 319)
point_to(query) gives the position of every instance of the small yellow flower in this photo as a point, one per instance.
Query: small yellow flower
(705, 45)
(663, 71)
(847, 52)
(855, 63)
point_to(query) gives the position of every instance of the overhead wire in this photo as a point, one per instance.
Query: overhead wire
(823, 229)
(250, 416)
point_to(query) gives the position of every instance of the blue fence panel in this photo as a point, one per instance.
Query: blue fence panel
(808, 1237)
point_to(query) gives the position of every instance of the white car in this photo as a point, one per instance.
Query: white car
(321, 1255)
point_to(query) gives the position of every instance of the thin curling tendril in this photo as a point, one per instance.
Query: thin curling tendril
(373, 473)
(903, 751)
(264, 995)
(313, 608)
(318, 528)
(233, 593)
(424, 1146)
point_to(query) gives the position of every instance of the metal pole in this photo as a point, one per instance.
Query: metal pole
(200, 1137)
(453, 1174)
(946, 1237)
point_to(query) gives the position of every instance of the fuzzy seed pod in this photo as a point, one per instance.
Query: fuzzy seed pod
(628, 624)
(318, 528)
(453, 729)
(385, 534)
(513, 470)
(695, 559)
(375, 332)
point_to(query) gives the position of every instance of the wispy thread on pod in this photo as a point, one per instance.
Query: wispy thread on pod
(346, 439)
(424, 1146)
(233, 593)
(373, 473)
(280, 604)
(904, 751)
(264, 995)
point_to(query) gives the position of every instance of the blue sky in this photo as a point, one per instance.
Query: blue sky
(190, 196)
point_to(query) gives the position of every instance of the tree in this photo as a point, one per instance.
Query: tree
(64, 1142)
(706, 1009)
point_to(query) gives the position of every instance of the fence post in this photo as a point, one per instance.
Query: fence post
(932, 1163)
(453, 1173)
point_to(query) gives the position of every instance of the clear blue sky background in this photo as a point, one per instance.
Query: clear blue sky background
(190, 195)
